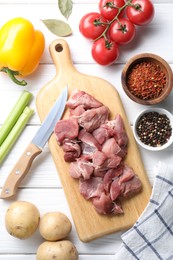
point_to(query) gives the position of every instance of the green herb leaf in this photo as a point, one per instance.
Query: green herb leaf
(65, 7)
(58, 27)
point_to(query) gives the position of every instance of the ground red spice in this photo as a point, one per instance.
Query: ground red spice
(146, 80)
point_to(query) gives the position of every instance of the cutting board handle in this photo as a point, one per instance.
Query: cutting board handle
(61, 56)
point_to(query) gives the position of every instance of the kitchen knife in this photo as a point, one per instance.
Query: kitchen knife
(23, 165)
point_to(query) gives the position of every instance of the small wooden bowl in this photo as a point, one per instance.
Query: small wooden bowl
(154, 59)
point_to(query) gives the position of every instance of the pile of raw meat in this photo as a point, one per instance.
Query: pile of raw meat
(96, 148)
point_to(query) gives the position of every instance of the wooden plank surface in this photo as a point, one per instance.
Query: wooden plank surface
(42, 185)
(89, 224)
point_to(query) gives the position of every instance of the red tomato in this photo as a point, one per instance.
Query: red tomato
(142, 14)
(122, 33)
(105, 52)
(90, 26)
(108, 8)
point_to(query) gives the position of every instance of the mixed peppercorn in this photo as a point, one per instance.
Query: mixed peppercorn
(146, 80)
(154, 129)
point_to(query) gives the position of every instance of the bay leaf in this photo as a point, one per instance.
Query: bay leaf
(58, 27)
(65, 7)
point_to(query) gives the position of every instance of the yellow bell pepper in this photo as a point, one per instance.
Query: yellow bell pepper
(21, 48)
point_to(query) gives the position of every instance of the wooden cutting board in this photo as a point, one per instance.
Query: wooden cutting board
(89, 224)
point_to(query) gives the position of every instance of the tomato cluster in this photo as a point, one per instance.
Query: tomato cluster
(114, 25)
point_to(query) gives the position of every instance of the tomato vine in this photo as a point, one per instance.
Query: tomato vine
(110, 24)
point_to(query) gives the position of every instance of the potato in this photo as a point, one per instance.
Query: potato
(22, 219)
(54, 226)
(59, 250)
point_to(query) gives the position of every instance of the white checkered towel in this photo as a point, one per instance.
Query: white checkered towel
(151, 237)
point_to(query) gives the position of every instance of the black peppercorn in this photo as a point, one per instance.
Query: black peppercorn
(154, 129)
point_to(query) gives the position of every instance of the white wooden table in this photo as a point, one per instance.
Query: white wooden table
(42, 185)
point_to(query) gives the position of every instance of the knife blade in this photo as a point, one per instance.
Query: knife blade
(35, 147)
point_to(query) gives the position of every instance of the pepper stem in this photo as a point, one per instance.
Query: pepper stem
(11, 74)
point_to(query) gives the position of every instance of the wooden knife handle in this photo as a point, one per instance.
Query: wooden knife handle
(19, 171)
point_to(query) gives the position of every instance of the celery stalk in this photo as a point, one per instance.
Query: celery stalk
(15, 132)
(15, 113)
